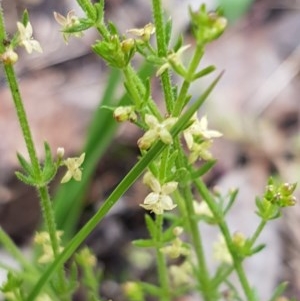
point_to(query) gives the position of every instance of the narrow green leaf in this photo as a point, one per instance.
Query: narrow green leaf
(26, 179)
(122, 187)
(25, 164)
(279, 291)
(204, 72)
(150, 224)
(143, 243)
(203, 169)
(25, 17)
(168, 31)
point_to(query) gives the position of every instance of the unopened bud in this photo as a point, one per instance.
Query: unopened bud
(9, 57)
(125, 113)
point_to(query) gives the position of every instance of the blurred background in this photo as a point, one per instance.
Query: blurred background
(256, 106)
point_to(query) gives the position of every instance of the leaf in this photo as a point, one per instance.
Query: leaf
(168, 31)
(25, 164)
(143, 243)
(26, 179)
(150, 225)
(49, 169)
(178, 43)
(278, 291)
(258, 248)
(204, 72)
(203, 169)
(25, 17)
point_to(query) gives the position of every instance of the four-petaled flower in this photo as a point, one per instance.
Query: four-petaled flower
(198, 139)
(198, 130)
(67, 23)
(158, 200)
(74, 170)
(26, 40)
(221, 252)
(173, 60)
(143, 33)
(156, 131)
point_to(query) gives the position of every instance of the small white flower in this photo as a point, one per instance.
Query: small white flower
(221, 252)
(181, 274)
(74, 170)
(43, 239)
(201, 151)
(158, 200)
(173, 59)
(199, 129)
(202, 209)
(67, 23)
(156, 131)
(26, 40)
(143, 33)
(176, 249)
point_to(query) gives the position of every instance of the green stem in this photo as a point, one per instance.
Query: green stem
(162, 52)
(14, 88)
(180, 102)
(25, 128)
(202, 271)
(131, 86)
(257, 232)
(161, 262)
(205, 194)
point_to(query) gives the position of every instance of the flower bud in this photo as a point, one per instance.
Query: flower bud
(9, 57)
(125, 113)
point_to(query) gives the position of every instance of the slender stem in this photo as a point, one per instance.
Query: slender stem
(162, 52)
(161, 262)
(257, 232)
(202, 271)
(24, 125)
(180, 102)
(205, 194)
(14, 88)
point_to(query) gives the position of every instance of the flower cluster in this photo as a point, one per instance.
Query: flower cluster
(199, 139)
(177, 247)
(74, 170)
(71, 20)
(157, 130)
(158, 200)
(26, 40)
(221, 252)
(43, 239)
(276, 196)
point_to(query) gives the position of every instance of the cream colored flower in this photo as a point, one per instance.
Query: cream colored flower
(43, 239)
(26, 40)
(221, 252)
(199, 130)
(201, 151)
(202, 209)
(173, 59)
(74, 170)
(159, 200)
(181, 274)
(156, 131)
(67, 23)
(176, 249)
(124, 113)
(43, 297)
(144, 33)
